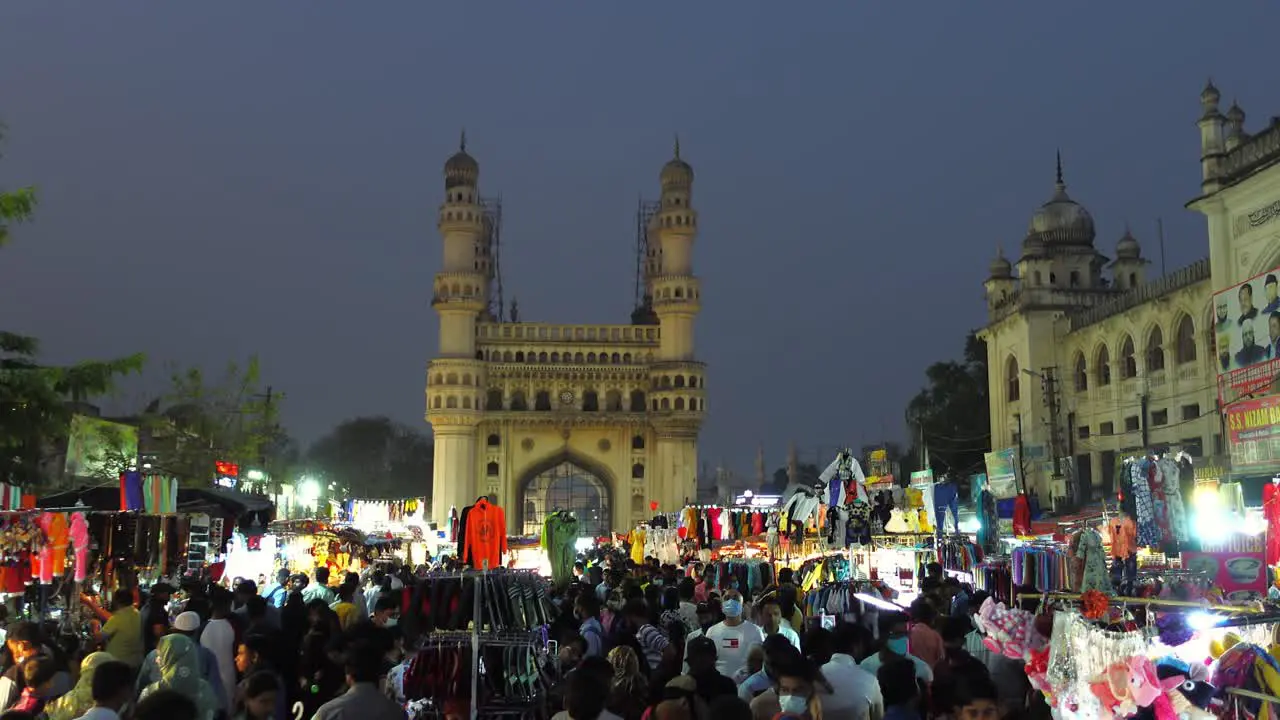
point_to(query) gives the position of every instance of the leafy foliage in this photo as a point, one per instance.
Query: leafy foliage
(952, 412)
(806, 474)
(374, 457)
(229, 418)
(34, 414)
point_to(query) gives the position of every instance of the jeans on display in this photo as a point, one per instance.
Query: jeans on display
(1124, 574)
(945, 496)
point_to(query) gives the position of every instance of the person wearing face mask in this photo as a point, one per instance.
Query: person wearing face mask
(734, 637)
(893, 631)
(386, 612)
(587, 610)
(775, 651)
(795, 691)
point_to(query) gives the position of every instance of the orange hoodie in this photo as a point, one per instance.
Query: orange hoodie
(486, 538)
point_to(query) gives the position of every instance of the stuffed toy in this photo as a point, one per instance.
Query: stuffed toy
(1112, 689)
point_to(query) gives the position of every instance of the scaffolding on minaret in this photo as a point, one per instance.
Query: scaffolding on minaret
(642, 312)
(492, 209)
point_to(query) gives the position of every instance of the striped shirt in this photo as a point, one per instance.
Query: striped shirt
(653, 642)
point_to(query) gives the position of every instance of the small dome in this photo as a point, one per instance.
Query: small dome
(1032, 246)
(676, 171)
(1001, 269)
(461, 169)
(1235, 114)
(1210, 93)
(1128, 248)
(1062, 221)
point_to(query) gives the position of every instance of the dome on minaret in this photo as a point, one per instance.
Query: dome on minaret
(1210, 94)
(1032, 246)
(1001, 269)
(677, 171)
(1128, 247)
(1062, 221)
(461, 168)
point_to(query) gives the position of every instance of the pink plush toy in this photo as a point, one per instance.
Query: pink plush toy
(1144, 684)
(79, 535)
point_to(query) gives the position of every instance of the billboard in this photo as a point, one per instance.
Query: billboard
(1246, 319)
(100, 448)
(1253, 427)
(1002, 472)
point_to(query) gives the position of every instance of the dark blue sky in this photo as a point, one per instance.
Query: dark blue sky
(221, 179)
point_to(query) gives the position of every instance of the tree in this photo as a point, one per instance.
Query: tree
(952, 414)
(34, 411)
(230, 419)
(374, 457)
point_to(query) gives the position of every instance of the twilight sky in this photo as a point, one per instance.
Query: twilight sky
(223, 179)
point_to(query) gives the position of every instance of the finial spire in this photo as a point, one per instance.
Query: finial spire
(1060, 168)
(677, 146)
(462, 143)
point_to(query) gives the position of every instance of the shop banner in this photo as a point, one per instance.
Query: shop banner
(922, 477)
(1247, 331)
(1253, 427)
(1242, 576)
(1002, 472)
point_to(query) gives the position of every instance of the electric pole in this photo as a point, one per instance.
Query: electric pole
(1050, 378)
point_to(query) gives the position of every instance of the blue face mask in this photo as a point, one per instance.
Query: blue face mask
(897, 645)
(732, 608)
(657, 581)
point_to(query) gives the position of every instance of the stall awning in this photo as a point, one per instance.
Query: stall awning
(234, 501)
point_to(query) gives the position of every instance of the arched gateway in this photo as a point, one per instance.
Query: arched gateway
(567, 483)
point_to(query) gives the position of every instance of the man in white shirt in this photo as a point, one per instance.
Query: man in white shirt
(319, 590)
(856, 692)
(220, 637)
(771, 618)
(733, 637)
(893, 630)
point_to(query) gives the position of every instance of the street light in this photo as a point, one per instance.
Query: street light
(255, 475)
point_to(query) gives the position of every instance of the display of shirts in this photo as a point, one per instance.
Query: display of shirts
(486, 535)
(1124, 536)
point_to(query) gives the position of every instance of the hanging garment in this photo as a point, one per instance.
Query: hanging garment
(946, 496)
(636, 538)
(486, 535)
(1124, 536)
(801, 504)
(1089, 550)
(1144, 508)
(1271, 511)
(1171, 477)
(858, 531)
(846, 470)
(1021, 516)
(988, 522)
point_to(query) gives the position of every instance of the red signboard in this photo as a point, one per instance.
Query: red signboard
(1253, 427)
(1241, 575)
(226, 469)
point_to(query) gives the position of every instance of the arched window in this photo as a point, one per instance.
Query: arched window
(518, 402)
(665, 382)
(519, 356)
(435, 404)
(507, 356)
(466, 402)
(1128, 361)
(1155, 350)
(615, 358)
(1185, 340)
(665, 405)
(542, 356)
(493, 440)
(1081, 373)
(555, 357)
(451, 402)
(679, 381)
(491, 469)
(613, 401)
(591, 357)
(637, 442)
(1103, 365)
(590, 401)
(542, 401)
(626, 358)
(1011, 380)
(637, 401)
(494, 400)
(637, 471)
(578, 358)
(679, 403)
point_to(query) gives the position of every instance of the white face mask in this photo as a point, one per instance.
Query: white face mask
(392, 622)
(793, 704)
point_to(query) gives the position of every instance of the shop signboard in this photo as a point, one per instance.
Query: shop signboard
(1247, 333)
(922, 477)
(1002, 472)
(1242, 575)
(1253, 427)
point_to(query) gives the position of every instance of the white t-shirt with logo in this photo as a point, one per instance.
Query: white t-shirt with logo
(733, 644)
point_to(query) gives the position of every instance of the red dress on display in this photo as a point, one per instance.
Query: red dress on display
(1271, 510)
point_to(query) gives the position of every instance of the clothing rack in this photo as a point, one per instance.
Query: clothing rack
(1144, 601)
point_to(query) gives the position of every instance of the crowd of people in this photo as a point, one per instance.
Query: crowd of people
(644, 640)
(295, 647)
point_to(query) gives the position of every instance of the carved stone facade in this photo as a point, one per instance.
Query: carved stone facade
(518, 407)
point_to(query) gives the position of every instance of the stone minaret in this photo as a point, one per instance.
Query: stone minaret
(793, 464)
(455, 379)
(1212, 142)
(760, 472)
(677, 298)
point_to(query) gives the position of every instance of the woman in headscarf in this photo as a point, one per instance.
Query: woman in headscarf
(179, 664)
(80, 699)
(629, 689)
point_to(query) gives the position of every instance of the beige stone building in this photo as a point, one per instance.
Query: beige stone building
(599, 419)
(1091, 358)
